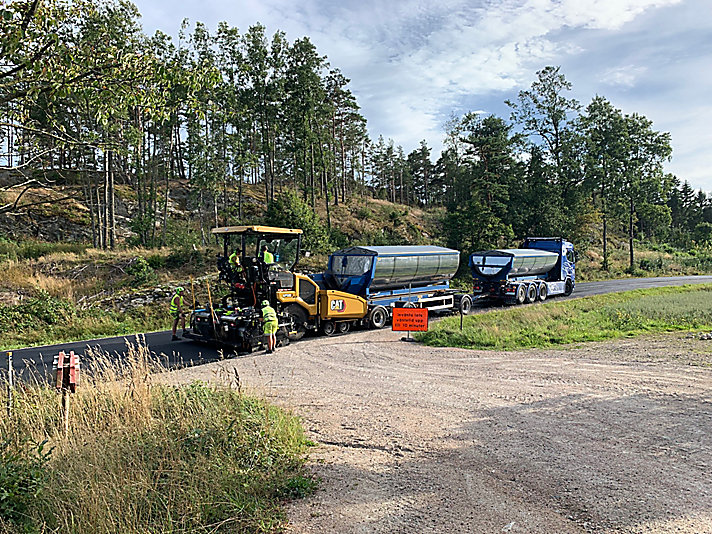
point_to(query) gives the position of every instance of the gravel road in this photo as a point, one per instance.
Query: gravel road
(608, 437)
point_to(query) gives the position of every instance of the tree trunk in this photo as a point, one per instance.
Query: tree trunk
(630, 233)
(112, 210)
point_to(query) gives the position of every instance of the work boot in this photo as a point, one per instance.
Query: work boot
(175, 338)
(184, 332)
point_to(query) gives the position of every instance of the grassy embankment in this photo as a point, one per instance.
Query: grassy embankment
(52, 292)
(598, 318)
(143, 457)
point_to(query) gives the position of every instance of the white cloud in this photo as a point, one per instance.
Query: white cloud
(625, 76)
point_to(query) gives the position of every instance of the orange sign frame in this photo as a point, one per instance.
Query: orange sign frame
(410, 319)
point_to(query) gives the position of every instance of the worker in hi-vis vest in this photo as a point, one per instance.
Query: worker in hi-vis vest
(234, 262)
(270, 325)
(267, 256)
(176, 312)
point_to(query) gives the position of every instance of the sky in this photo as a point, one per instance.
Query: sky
(415, 64)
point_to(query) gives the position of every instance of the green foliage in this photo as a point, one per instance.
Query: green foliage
(588, 319)
(23, 475)
(37, 312)
(288, 210)
(338, 239)
(364, 213)
(141, 271)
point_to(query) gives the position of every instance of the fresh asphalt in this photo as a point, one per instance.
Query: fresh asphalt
(38, 361)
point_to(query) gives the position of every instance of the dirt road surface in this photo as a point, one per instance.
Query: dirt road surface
(608, 437)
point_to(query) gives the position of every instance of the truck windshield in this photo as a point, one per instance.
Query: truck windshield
(350, 265)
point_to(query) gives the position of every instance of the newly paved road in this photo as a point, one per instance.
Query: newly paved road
(184, 353)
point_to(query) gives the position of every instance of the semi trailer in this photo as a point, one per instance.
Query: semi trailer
(542, 267)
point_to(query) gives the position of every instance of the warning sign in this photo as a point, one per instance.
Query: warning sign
(410, 319)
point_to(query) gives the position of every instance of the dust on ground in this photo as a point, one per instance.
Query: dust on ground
(609, 437)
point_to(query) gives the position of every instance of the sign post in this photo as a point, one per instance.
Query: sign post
(410, 320)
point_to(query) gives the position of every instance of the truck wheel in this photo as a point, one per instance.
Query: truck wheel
(569, 287)
(343, 327)
(521, 294)
(543, 291)
(531, 293)
(328, 327)
(465, 304)
(378, 317)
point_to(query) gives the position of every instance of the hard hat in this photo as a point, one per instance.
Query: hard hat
(179, 289)
(265, 303)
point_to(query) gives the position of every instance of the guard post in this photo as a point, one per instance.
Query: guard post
(67, 370)
(410, 320)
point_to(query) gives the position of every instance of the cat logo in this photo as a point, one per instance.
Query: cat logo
(338, 305)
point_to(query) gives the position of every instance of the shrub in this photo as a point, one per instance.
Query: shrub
(23, 475)
(142, 272)
(364, 213)
(338, 239)
(184, 256)
(46, 308)
(156, 261)
(36, 312)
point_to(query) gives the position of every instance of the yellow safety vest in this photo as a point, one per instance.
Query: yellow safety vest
(268, 257)
(174, 305)
(269, 315)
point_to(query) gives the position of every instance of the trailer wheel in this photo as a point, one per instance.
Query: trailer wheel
(328, 327)
(569, 287)
(543, 291)
(465, 304)
(531, 293)
(378, 317)
(521, 294)
(343, 327)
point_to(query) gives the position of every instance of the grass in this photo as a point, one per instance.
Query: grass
(46, 320)
(144, 457)
(598, 318)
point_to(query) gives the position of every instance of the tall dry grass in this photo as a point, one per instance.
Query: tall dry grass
(144, 457)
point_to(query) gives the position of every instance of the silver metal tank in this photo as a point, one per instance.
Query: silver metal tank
(396, 266)
(513, 262)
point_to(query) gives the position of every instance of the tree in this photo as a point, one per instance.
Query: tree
(544, 111)
(481, 217)
(603, 127)
(643, 179)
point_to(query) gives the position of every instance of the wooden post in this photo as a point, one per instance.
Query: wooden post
(213, 315)
(192, 291)
(65, 410)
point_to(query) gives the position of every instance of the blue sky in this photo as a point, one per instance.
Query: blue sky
(413, 64)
